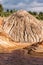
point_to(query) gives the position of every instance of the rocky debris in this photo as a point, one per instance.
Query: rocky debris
(23, 27)
(37, 47)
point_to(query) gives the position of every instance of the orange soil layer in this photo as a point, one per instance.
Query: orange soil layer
(8, 45)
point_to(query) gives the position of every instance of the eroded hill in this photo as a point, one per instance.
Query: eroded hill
(23, 27)
(19, 31)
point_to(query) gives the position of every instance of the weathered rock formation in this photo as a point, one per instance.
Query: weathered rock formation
(23, 27)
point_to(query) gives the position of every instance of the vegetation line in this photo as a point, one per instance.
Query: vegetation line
(5, 13)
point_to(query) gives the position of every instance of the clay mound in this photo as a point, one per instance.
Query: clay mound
(7, 45)
(23, 27)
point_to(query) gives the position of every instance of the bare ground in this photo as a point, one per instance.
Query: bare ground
(19, 57)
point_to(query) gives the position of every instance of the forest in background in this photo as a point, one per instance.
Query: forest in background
(5, 13)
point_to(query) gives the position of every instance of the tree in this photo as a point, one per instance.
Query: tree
(1, 8)
(41, 15)
(30, 12)
(34, 13)
(11, 11)
(7, 10)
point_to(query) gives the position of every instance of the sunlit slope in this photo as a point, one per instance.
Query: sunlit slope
(7, 45)
(23, 27)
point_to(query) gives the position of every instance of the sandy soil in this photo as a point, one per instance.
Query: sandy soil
(10, 45)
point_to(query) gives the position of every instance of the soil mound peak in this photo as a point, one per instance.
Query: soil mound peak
(23, 27)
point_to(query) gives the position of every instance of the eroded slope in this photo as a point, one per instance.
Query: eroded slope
(23, 27)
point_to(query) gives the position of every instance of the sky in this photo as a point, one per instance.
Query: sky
(29, 5)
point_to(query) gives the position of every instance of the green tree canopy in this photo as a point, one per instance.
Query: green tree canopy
(1, 8)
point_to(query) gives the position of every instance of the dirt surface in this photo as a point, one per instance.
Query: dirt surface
(19, 57)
